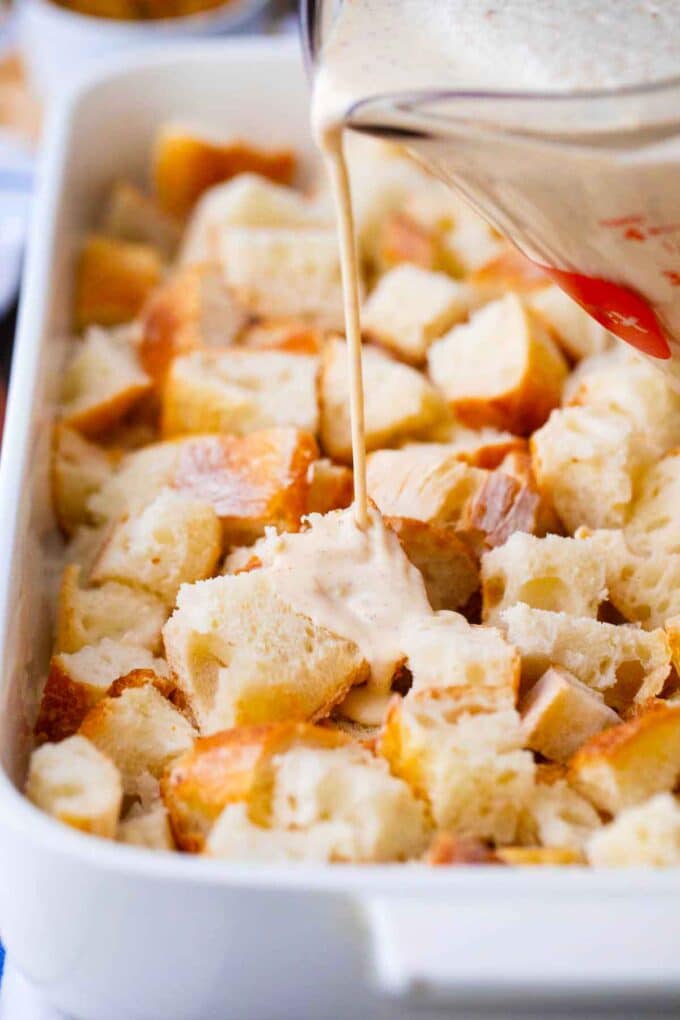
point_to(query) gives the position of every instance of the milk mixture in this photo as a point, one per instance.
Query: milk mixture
(603, 219)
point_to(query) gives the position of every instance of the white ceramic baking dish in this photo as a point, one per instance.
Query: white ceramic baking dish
(115, 933)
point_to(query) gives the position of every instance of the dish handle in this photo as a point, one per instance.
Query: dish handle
(495, 950)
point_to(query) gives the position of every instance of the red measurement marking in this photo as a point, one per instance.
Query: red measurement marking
(634, 234)
(671, 275)
(618, 309)
(622, 221)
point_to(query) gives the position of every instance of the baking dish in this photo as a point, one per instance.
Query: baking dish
(109, 932)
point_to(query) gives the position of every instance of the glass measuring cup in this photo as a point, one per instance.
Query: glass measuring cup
(586, 184)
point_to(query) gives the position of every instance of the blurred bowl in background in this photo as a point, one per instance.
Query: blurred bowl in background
(59, 43)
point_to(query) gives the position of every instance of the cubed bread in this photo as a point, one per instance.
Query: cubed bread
(76, 783)
(225, 768)
(577, 333)
(291, 335)
(449, 569)
(186, 163)
(353, 580)
(624, 382)
(243, 655)
(509, 270)
(130, 215)
(647, 835)
(424, 481)
(285, 271)
(337, 804)
(643, 587)
(78, 469)
(140, 731)
(501, 506)
(653, 527)
(485, 447)
(192, 310)
(250, 481)
(399, 403)
(621, 661)
(471, 243)
(247, 200)
(102, 382)
(447, 850)
(331, 486)
(174, 540)
(444, 651)
(672, 628)
(113, 280)
(77, 681)
(410, 307)
(517, 464)
(557, 815)
(148, 829)
(585, 463)
(560, 574)
(116, 611)
(501, 369)
(559, 714)
(240, 391)
(404, 241)
(467, 765)
(628, 763)
(139, 477)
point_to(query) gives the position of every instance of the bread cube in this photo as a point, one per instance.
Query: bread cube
(410, 307)
(290, 335)
(250, 481)
(102, 382)
(192, 310)
(586, 464)
(247, 200)
(185, 164)
(628, 763)
(116, 611)
(148, 829)
(404, 241)
(131, 215)
(77, 784)
(243, 655)
(425, 482)
(138, 479)
(77, 681)
(398, 401)
(240, 391)
(342, 800)
(652, 527)
(623, 662)
(485, 447)
(501, 506)
(509, 270)
(647, 835)
(517, 464)
(501, 369)
(560, 574)
(577, 333)
(644, 588)
(78, 469)
(226, 768)
(331, 486)
(449, 569)
(472, 243)
(444, 651)
(140, 731)
(467, 765)
(559, 714)
(173, 541)
(624, 382)
(113, 280)
(285, 271)
(446, 850)
(557, 815)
